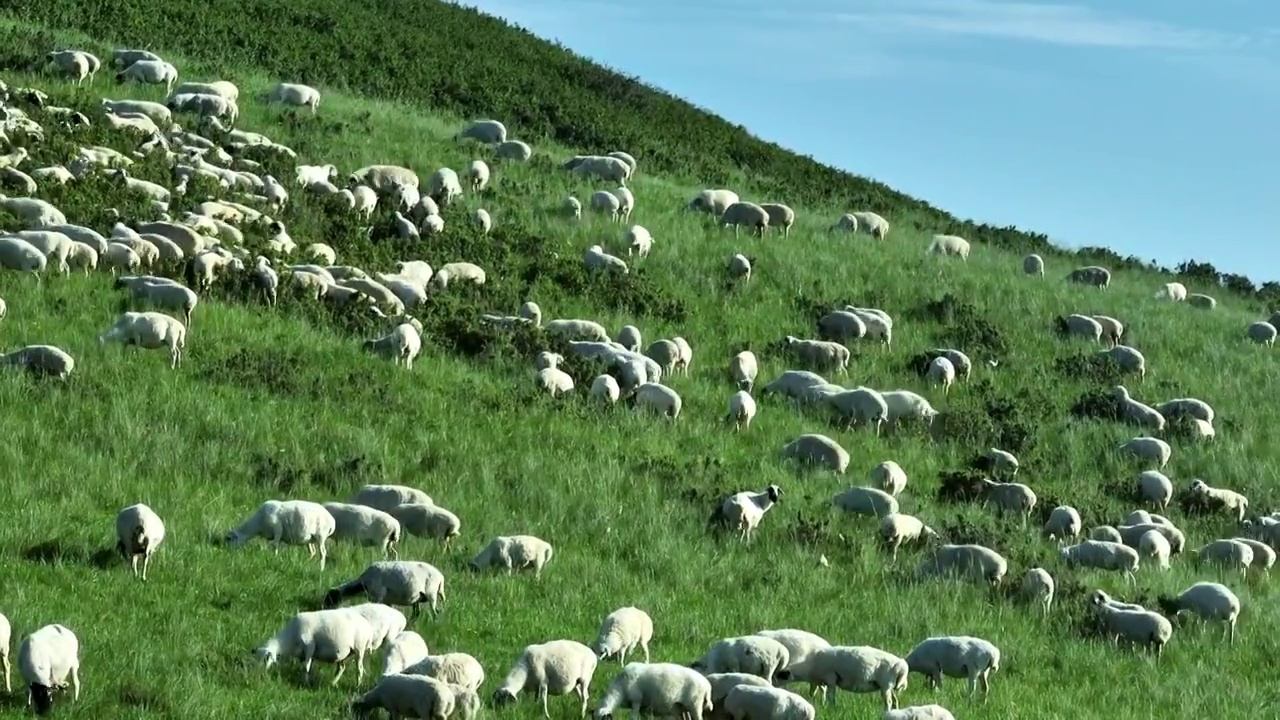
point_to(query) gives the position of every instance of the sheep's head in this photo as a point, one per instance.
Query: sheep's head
(774, 493)
(503, 697)
(1198, 487)
(120, 78)
(266, 654)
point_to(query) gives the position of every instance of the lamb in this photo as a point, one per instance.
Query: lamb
(941, 372)
(1112, 329)
(1137, 412)
(889, 476)
(149, 331)
(749, 702)
(149, 72)
(1149, 448)
(1010, 497)
(577, 330)
(742, 408)
(558, 667)
(621, 631)
(743, 511)
(1228, 501)
(394, 582)
(972, 561)
(638, 240)
(572, 208)
(658, 689)
(713, 202)
(597, 259)
(1139, 626)
(919, 712)
(481, 219)
(955, 656)
(288, 522)
(897, 529)
(949, 245)
(754, 654)
(76, 64)
(606, 203)
(20, 255)
(459, 271)
(609, 169)
(427, 520)
(871, 223)
(658, 398)
(403, 343)
(1081, 325)
(1063, 523)
(1033, 265)
(405, 649)
(514, 552)
(841, 326)
(407, 696)
(866, 501)
(818, 450)
(745, 213)
(516, 150)
(1229, 554)
(1131, 535)
(1263, 333)
(794, 383)
(385, 497)
(1129, 360)
(1201, 301)
(1094, 275)
(46, 658)
(295, 95)
(1038, 585)
(554, 381)
(907, 405)
(857, 669)
(743, 368)
(1263, 555)
(364, 525)
(780, 216)
(167, 295)
(458, 668)
(1102, 555)
(332, 636)
(54, 245)
(684, 357)
(1186, 407)
(1174, 291)
(46, 360)
(739, 267)
(820, 354)
(1154, 545)
(139, 532)
(626, 202)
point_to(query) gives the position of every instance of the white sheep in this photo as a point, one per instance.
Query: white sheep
(1209, 601)
(364, 525)
(1264, 556)
(623, 630)
(638, 240)
(20, 255)
(405, 696)
(481, 219)
(139, 532)
(394, 582)
(871, 223)
(1228, 501)
(162, 293)
(897, 529)
(149, 72)
(1038, 585)
(456, 667)
(1262, 332)
(75, 64)
(780, 216)
(739, 267)
(1201, 301)
(743, 511)
(595, 258)
(1186, 407)
(477, 174)
(149, 331)
(949, 245)
(660, 399)
(403, 343)
(794, 383)
(6, 637)
(754, 654)
(1155, 487)
(1102, 555)
(602, 167)
(427, 520)
(856, 669)
(1227, 554)
(866, 501)
(749, 702)
(1131, 535)
(1137, 412)
(941, 372)
(386, 621)
(1063, 524)
(1081, 325)
(486, 131)
(974, 562)
(1112, 329)
(331, 636)
(820, 354)
(558, 667)
(1130, 360)
(606, 203)
(919, 712)
(626, 202)
(33, 211)
(46, 659)
(747, 214)
(1149, 448)
(742, 409)
(1010, 497)
(713, 201)
(288, 522)
(1174, 291)
(516, 150)
(1033, 265)
(958, 656)
(514, 552)
(818, 450)
(743, 368)
(1137, 626)
(657, 689)
(295, 95)
(45, 360)
(1155, 546)
(54, 245)
(685, 355)
(1094, 275)
(405, 649)
(458, 271)
(385, 497)
(841, 326)
(907, 405)
(554, 381)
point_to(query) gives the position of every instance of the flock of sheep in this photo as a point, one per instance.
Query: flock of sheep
(740, 677)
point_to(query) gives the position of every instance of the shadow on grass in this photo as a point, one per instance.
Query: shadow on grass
(53, 552)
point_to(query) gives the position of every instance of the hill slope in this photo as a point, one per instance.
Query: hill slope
(274, 404)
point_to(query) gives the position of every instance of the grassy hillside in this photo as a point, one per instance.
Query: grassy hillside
(284, 404)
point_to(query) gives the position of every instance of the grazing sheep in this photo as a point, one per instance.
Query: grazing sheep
(974, 562)
(149, 72)
(41, 360)
(489, 132)
(1228, 554)
(516, 150)
(1137, 626)
(149, 331)
(949, 245)
(919, 712)
(1131, 535)
(1102, 555)
(1081, 325)
(747, 214)
(1033, 265)
(294, 95)
(780, 216)
(866, 501)
(394, 582)
(743, 511)
(386, 497)
(820, 354)
(841, 326)
(288, 522)
(405, 696)
(713, 202)
(623, 630)
(514, 552)
(1263, 333)
(20, 255)
(1149, 448)
(856, 669)
(743, 368)
(458, 668)
(1155, 545)
(558, 667)
(332, 636)
(46, 658)
(907, 405)
(427, 520)
(742, 408)
(955, 656)
(1129, 359)
(817, 450)
(941, 372)
(889, 476)
(1228, 501)
(402, 343)
(363, 525)
(754, 654)
(405, 649)
(1201, 301)
(1137, 412)
(657, 689)
(658, 398)
(1063, 524)
(897, 529)
(163, 293)
(1094, 275)
(749, 702)
(139, 532)
(1038, 585)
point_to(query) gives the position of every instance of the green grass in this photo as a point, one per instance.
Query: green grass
(285, 404)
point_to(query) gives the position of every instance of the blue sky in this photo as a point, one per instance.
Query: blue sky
(1147, 127)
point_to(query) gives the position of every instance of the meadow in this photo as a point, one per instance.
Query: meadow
(284, 403)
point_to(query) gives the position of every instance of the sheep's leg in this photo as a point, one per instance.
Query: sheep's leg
(644, 645)
(311, 549)
(146, 561)
(359, 668)
(133, 563)
(4, 660)
(542, 700)
(75, 684)
(324, 552)
(342, 668)
(582, 691)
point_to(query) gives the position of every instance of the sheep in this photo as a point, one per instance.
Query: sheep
(949, 245)
(1063, 523)
(1033, 265)
(754, 654)
(972, 561)
(1131, 535)
(919, 712)
(1262, 332)
(1129, 359)
(46, 658)
(596, 258)
(608, 169)
(780, 216)
(364, 525)
(866, 501)
(75, 64)
(1149, 448)
(288, 522)
(622, 631)
(857, 669)
(685, 355)
(739, 267)
(168, 295)
(658, 398)
(1263, 554)
(626, 202)
(745, 213)
(1152, 544)
(955, 656)
(1228, 501)
(1186, 407)
(820, 354)
(1102, 555)
(385, 497)
(626, 158)
(1137, 412)
(149, 331)
(723, 683)
(818, 450)
(558, 667)
(1142, 517)
(383, 178)
(405, 649)
(1229, 554)
(20, 255)
(149, 72)
(125, 58)
(794, 383)
(1082, 325)
(40, 360)
(516, 150)
(427, 520)
(294, 95)
(749, 702)
(477, 175)
(658, 689)
(6, 635)
(407, 696)
(458, 668)
(743, 368)
(481, 219)
(1107, 533)
(638, 240)
(459, 271)
(743, 511)
(897, 529)
(205, 106)
(1112, 329)
(333, 636)
(941, 372)
(514, 552)
(394, 582)
(157, 112)
(572, 208)
(577, 330)
(386, 621)
(800, 644)
(1094, 275)
(221, 88)
(841, 326)
(742, 408)
(1201, 301)
(907, 405)
(1038, 585)
(606, 388)
(713, 202)
(139, 532)
(1139, 626)
(489, 132)
(187, 238)
(402, 343)
(871, 223)
(606, 203)
(54, 245)
(554, 381)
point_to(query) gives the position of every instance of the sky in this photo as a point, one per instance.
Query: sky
(1148, 127)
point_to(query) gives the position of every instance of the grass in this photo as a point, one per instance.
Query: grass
(285, 404)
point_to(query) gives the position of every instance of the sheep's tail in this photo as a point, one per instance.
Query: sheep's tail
(336, 595)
